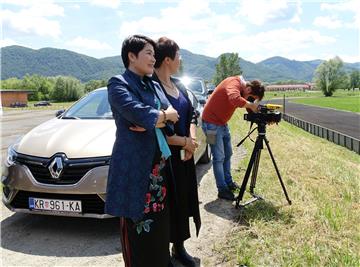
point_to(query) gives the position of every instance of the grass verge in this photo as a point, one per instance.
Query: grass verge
(309, 94)
(350, 103)
(54, 106)
(321, 227)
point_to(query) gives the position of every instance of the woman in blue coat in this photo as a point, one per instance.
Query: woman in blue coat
(137, 185)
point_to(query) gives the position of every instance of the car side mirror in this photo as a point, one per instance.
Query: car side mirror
(59, 112)
(210, 91)
(202, 101)
(197, 113)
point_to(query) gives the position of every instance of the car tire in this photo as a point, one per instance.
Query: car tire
(206, 157)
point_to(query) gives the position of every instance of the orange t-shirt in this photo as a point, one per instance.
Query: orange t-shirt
(224, 100)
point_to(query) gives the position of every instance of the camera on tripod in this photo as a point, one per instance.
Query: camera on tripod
(267, 114)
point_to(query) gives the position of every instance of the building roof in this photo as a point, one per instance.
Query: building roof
(14, 90)
(288, 86)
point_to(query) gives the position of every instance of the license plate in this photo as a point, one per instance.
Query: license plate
(55, 205)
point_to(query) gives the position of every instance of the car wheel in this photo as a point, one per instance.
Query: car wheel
(206, 157)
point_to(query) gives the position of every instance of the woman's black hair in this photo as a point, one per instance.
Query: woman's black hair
(134, 44)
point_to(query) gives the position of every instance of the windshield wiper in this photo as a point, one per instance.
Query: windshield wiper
(70, 118)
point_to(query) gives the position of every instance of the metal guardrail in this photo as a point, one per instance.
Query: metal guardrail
(333, 136)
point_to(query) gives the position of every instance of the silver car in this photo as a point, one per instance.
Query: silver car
(61, 166)
(197, 86)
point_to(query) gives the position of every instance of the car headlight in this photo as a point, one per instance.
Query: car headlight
(11, 156)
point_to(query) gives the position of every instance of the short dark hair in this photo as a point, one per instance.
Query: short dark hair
(134, 44)
(256, 88)
(165, 47)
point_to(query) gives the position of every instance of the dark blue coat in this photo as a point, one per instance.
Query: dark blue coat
(132, 104)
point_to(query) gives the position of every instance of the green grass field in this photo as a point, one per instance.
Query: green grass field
(350, 103)
(321, 227)
(54, 106)
(309, 94)
(341, 100)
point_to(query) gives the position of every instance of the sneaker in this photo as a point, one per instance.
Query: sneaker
(226, 194)
(233, 186)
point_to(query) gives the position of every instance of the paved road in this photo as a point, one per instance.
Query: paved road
(16, 123)
(36, 240)
(341, 121)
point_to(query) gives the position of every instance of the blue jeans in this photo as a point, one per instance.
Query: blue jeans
(221, 152)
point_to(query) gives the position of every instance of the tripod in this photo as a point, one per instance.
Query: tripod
(254, 166)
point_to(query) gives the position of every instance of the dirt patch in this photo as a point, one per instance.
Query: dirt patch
(218, 217)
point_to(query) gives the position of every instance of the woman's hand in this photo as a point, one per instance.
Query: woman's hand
(190, 144)
(188, 155)
(171, 114)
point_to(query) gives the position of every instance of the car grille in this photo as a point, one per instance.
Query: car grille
(90, 203)
(73, 169)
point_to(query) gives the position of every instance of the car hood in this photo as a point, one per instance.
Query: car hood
(75, 138)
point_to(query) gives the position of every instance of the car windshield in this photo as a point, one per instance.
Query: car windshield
(195, 86)
(93, 106)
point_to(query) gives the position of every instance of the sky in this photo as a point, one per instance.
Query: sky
(255, 29)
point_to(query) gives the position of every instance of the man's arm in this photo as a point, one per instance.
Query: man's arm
(233, 88)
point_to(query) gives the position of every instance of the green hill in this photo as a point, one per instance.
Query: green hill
(17, 61)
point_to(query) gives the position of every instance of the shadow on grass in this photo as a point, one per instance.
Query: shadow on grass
(263, 211)
(260, 211)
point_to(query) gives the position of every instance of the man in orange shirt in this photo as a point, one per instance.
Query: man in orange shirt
(231, 93)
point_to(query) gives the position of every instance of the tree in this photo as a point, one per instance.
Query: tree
(228, 66)
(355, 79)
(32, 82)
(94, 84)
(67, 89)
(11, 83)
(329, 76)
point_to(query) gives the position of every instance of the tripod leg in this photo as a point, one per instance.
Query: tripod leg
(277, 171)
(247, 174)
(255, 171)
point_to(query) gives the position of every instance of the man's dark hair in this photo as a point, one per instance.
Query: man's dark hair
(165, 47)
(256, 88)
(134, 44)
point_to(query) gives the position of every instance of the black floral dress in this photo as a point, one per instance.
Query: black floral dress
(146, 242)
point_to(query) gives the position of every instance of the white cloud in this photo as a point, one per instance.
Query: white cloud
(75, 6)
(259, 12)
(24, 22)
(7, 42)
(330, 22)
(106, 3)
(19, 2)
(38, 7)
(352, 6)
(89, 44)
(191, 24)
(33, 17)
(282, 42)
(346, 57)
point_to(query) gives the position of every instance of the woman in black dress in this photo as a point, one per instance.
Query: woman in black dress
(185, 202)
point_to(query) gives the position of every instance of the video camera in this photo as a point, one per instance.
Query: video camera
(267, 114)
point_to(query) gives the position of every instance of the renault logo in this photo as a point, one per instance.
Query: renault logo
(56, 167)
